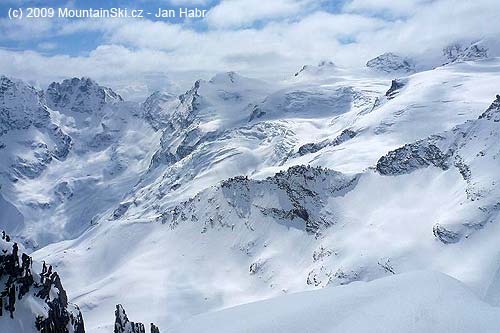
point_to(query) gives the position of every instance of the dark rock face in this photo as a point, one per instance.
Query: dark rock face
(411, 157)
(154, 329)
(493, 111)
(446, 236)
(395, 88)
(121, 210)
(16, 271)
(424, 153)
(124, 325)
(310, 148)
(459, 148)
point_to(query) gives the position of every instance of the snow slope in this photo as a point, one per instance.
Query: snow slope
(245, 240)
(414, 302)
(241, 190)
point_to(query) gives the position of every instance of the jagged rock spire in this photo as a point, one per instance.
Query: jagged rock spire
(124, 325)
(154, 329)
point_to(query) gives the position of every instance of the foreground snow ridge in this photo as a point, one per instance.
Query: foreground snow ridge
(423, 301)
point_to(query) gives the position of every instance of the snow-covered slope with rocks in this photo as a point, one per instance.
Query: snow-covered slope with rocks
(241, 190)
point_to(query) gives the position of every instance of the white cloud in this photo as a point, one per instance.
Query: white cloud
(134, 49)
(238, 13)
(25, 29)
(47, 46)
(401, 7)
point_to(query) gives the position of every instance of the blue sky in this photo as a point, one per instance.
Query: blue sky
(83, 42)
(271, 38)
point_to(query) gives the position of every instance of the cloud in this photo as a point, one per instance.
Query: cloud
(25, 29)
(405, 7)
(239, 13)
(137, 55)
(47, 46)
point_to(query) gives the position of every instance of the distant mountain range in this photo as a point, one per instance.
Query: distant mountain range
(241, 190)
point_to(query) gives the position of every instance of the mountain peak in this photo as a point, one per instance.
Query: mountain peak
(390, 62)
(226, 77)
(322, 67)
(326, 63)
(81, 95)
(157, 107)
(21, 105)
(457, 52)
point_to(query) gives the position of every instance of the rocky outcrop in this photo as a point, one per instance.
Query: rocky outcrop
(472, 150)
(493, 111)
(310, 148)
(396, 86)
(154, 328)
(121, 210)
(299, 194)
(22, 291)
(124, 325)
(444, 235)
(411, 157)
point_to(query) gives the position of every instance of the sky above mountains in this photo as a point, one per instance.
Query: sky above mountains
(257, 38)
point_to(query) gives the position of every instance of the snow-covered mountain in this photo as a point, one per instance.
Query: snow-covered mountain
(80, 95)
(241, 190)
(67, 153)
(391, 63)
